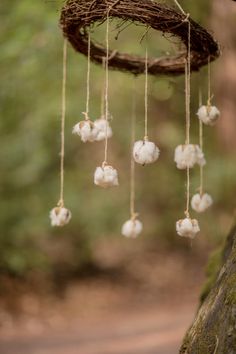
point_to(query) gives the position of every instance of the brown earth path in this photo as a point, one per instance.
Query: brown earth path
(145, 311)
(156, 331)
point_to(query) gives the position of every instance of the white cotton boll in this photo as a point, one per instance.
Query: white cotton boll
(208, 114)
(132, 228)
(86, 130)
(106, 176)
(60, 216)
(185, 156)
(187, 228)
(200, 158)
(145, 152)
(200, 203)
(103, 127)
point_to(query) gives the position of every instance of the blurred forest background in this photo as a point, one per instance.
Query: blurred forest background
(30, 95)
(121, 296)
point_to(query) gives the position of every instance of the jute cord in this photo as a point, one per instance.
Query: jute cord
(133, 214)
(63, 115)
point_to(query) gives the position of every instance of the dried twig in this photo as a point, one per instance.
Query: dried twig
(76, 15)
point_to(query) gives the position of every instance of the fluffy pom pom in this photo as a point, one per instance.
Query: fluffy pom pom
(132, 228)
(200, 158)
(145, 152)
(200, 203)
(103, 127)
(188, 155)
(187, 228)
(208, 114)
(86, 130)
(106, 176)
(60, 216)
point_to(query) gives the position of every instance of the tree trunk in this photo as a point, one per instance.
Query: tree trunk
(214, 328)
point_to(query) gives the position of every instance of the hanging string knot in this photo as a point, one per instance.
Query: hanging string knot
(86, 115)
(187, 214)
(209, 101)
(60, 203)
(104, 164)
(134, 216)
(187, 18)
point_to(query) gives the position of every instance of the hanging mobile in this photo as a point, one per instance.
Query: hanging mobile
(59, 215)
(133, 227)
(86, 128)
(208, 114)
(145, 151)
(106, 176)
(188, 227)
(201, 201)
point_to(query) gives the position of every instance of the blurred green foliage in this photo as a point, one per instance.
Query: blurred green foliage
(30, 94)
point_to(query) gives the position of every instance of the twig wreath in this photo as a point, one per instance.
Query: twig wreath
(77, 18)
(77, 15)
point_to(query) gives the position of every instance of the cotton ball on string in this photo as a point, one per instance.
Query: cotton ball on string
(201, 203)
(208, 114)
(106, 176)
(60, 216)
(186, 156)
(132, 228)
(102, 128)
(87, 130)
(187, 228)
(145, 152)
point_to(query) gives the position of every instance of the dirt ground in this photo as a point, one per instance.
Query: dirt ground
(144, 310)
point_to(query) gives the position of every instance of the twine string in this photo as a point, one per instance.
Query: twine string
(209, 82)
(103, 91)
(187, 99)
(132, 162)
(88, 77)
(63, 115)
(180, 7)
(201, 144)
(106, 87)
(146, 95)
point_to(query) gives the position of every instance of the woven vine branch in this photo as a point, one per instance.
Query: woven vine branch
(77, 15)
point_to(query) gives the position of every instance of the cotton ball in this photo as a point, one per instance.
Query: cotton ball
(86, 130)
(132, 228)
(200, 158)
(106, 176)
(103, 128)
(187, 228)
(200, 202)
(145, 152)
(60, 216)
(208, 114)
(188, 155)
